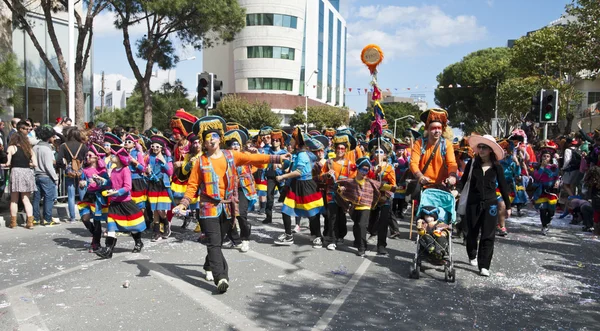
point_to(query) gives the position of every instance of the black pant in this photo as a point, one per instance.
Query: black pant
(360, 219)
(546, 216)
(335, 223)
(245, 226)
(379, 220)
(215, 229)
(315, 225)
(484, 217)
(271, 185)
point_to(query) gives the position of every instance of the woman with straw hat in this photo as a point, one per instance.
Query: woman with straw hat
(482, 174)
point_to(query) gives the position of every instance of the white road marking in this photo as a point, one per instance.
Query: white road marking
(202, 297)
(341, 298)
(24, 308)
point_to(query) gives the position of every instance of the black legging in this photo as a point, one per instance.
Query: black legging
(546, 216)
(245, 226)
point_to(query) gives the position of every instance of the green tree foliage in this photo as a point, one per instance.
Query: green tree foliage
(165, 102)
(11, 78)
(361, 122)
(195, 23)
(584, 31)
(84, 22)
(550, 55)
(320, 117)
(252, 115)
(481, 70)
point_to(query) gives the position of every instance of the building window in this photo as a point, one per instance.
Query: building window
(271, 52)
(118, 85)
(593, 97)
(279, 84)
(285, 21)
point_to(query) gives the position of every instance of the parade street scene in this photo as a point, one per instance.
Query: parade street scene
(299, 165)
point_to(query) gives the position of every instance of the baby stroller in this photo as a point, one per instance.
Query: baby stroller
(443, 204)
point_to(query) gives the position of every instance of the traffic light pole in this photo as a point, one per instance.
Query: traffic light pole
(545, 131)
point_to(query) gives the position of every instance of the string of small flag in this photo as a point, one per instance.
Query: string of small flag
(360, 90)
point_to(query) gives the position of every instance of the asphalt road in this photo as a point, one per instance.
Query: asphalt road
(48, 281)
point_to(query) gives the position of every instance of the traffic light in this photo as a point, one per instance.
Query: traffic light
(535, 107)
(202, 99)
(216, 94)
(549, 109)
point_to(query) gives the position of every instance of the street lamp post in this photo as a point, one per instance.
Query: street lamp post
(401, 118)
(306, 101)
(191, 58)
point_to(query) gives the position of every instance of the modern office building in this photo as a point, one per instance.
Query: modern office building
(288, 50)
(43, 100)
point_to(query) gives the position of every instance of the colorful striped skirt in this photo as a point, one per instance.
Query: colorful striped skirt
(303, 199)
(178, 188)
(125, 217)
(546, 201)
(88, 206)
(139, 192)
(400, 191)
(158, 196)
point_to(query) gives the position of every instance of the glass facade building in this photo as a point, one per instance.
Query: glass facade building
(43, 100)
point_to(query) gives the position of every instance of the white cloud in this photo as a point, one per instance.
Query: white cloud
(104, 26)
(490, 3)
(407, 31)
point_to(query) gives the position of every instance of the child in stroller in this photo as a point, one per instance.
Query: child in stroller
(433, 231)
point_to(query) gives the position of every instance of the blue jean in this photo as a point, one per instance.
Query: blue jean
(46, 188)
(70, 185)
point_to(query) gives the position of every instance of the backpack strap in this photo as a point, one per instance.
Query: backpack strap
(71, 153)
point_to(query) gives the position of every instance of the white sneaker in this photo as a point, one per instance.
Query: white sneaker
(473, 262)
(281, 236)
(331, 247)
(209, 276)
(317, 242)
(372, 239)
(296, 229)
(245, 246)
(484, 272)
(223, 285)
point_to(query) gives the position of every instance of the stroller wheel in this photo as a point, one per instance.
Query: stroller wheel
(414, 272)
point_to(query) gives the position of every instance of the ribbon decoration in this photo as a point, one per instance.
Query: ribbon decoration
(372, 56)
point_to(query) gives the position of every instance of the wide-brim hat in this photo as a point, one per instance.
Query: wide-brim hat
(548, 146)
(183, 122)
(329, 132)
(313, 132)
(389, 135)
(415, 134)
(277, 134)
(488, 140)
(235, 135)
(322, 139)
(99, 149)
(236, 126)
(506, 144)
(363, 161)
(346, 139)
(112, 138)
(383, 143)
(398, 146)
(207, 124)
(265, 130)
(121, 153)
(434, 115)
(299, 137)
(161, 140)
(192, 137)
(361, 137)
(314, 145)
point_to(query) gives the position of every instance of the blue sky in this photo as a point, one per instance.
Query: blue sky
(419, 39)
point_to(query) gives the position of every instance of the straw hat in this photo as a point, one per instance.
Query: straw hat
(488, 140)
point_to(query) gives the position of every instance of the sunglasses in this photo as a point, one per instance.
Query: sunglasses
(379, 152)
(482, 146)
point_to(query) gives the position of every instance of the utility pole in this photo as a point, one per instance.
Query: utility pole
(102, 95)
(496, 112)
